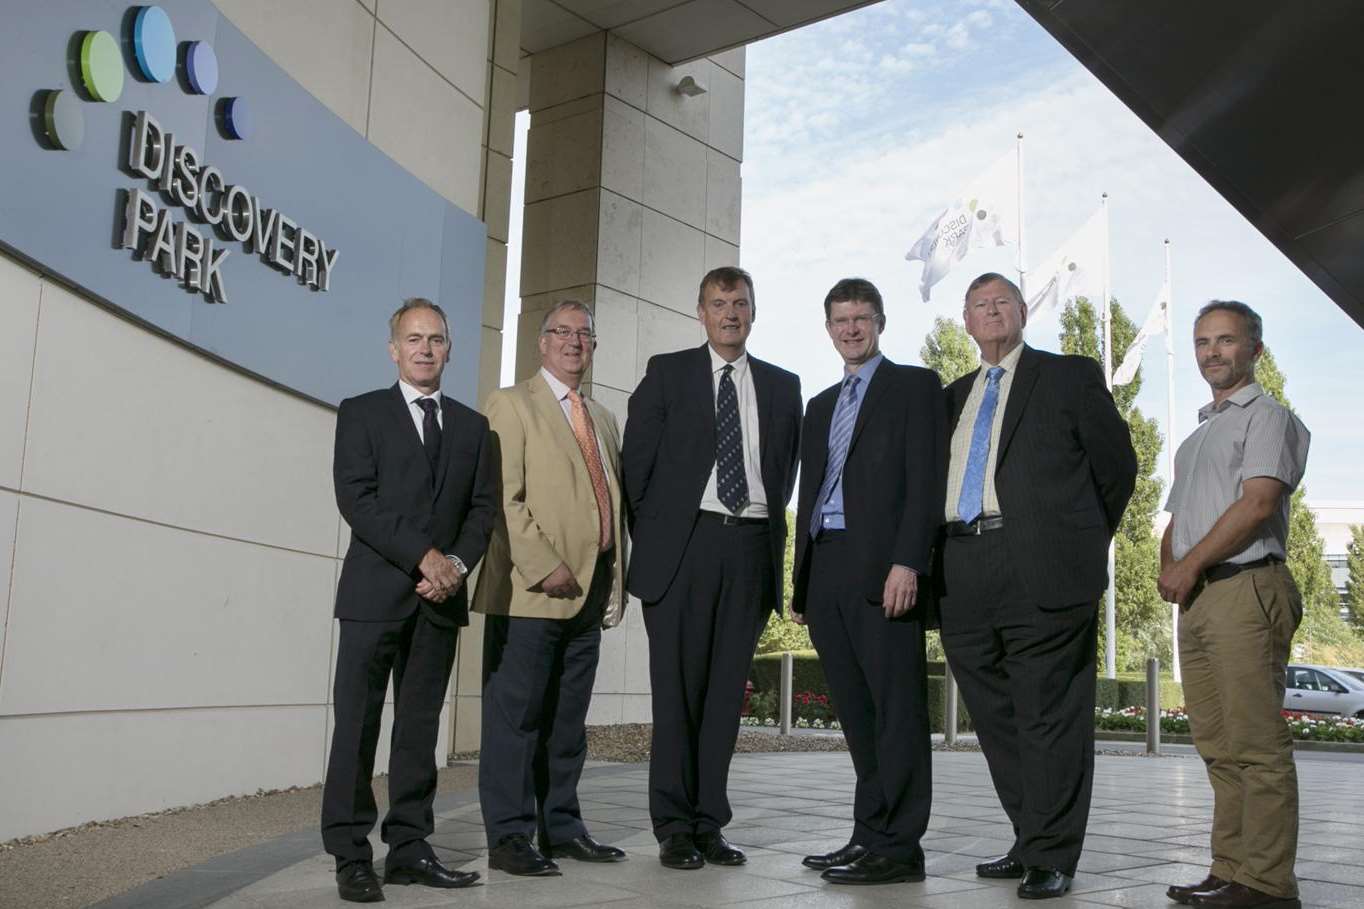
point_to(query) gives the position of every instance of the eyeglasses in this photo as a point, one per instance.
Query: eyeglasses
(563, 333)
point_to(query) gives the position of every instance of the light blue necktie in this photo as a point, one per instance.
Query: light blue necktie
(973, 483)
(840, 435)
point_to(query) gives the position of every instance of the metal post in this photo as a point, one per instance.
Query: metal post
(949, 706)
(788, 671)
(1153, 706)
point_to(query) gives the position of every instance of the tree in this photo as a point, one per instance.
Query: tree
(1143, 624)
(1323, 636)
(781, 633)
(1354, 584)
(949, 351)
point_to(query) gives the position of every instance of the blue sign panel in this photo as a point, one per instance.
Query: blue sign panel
(225, 206)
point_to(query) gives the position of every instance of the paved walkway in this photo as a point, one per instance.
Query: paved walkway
(1148, 828)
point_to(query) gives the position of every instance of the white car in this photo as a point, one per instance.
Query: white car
(1324, 689)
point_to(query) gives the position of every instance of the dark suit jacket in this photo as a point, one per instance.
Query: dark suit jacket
(669, 452)
(893, 479)
(1063, 475)
(397, 509)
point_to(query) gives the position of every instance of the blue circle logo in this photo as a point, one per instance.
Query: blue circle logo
(154, 44)
(201, 68)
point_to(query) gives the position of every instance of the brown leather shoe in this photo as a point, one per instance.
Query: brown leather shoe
(1181, 893)
(1239, 896)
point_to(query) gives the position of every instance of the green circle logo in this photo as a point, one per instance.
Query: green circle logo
(101, 66)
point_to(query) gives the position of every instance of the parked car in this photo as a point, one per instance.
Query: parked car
(1357, 673)
(1324, 689)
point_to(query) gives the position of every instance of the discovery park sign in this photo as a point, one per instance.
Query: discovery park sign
(229, 208)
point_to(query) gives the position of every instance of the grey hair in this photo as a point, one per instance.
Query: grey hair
(990, 277)
(410, 304)
(576, 305)
(1255, 326)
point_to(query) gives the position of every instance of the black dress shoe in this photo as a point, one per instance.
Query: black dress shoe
(356, 882)
(845, 856)
(875, 869)
(1239, 896)
(429, 873)
(1044, 884)
(1182, 893)
(717, 850)
(585, 849)
(1003, 867)
(679, 851)
(515, 855)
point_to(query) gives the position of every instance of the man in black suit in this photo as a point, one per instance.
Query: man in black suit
(872, 463)
(709, 459)
(415, 481)
(1040, 471)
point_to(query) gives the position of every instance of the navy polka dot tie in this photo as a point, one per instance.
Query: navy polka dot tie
(731, 481)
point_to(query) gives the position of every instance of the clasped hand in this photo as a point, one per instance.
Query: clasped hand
(440, 578)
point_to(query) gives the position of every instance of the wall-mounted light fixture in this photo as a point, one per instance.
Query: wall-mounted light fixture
(689, 87)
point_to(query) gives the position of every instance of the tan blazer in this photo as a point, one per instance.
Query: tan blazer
(549, 511)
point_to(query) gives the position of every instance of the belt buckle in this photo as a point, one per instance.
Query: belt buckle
(975, 527)
(729, 520)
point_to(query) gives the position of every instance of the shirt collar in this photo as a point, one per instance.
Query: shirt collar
(866, 370)
(1241, 398)
(717, 362)
(556, 388)
(410, 394)
(1009, 363)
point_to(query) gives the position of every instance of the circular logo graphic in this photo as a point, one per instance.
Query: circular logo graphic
(201, 66)
(63, 121)
(101, 66)
(154, 44)
(236, 119)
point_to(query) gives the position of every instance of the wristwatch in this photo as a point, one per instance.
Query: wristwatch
(459, 565)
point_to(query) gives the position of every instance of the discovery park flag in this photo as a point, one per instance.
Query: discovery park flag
(1157, 323)
(985, 215)
(1075, 269)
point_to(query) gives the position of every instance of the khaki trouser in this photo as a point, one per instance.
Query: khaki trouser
(1233, 649)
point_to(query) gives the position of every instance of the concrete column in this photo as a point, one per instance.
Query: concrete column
(632, 194)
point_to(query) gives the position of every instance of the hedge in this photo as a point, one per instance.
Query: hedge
(1127, 690)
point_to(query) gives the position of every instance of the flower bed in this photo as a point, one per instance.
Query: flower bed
(809, 710)
(1303, 726)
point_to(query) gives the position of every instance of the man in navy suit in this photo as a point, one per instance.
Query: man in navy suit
(1040, 470)
(709, 459)
(415, 481)
(871, 487)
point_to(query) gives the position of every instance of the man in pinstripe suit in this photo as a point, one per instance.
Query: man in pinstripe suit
(1040, 470)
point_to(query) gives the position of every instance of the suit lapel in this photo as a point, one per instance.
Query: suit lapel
(552, 412)
(406, 429)
(821, 415)
(1019, 392)
(448, 431)
(876, 390)
(961, 390)
(762, 390)
(702, 390)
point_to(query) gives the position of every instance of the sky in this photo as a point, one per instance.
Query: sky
(860, 129)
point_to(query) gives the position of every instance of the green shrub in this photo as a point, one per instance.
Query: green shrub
(1129, 690)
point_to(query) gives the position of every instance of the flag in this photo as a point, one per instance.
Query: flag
(1157, 323)
(1074, 270)
(986, 214)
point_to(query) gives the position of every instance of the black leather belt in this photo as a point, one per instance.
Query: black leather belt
(1232, 569)
(975, 528)
(729, 520)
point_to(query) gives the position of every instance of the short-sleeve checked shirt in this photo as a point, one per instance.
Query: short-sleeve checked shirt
(1246, 436)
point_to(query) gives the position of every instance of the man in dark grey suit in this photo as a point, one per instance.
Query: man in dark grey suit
(415, 480)
(1040, 470)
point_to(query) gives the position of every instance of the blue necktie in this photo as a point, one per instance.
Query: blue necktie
(973, 484)
(731, 485)
(840, 435)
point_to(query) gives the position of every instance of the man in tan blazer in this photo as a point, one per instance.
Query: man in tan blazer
(553, 578)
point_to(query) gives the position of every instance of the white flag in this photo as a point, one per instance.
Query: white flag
(1074, 270)
(985, 215)
(1157, 323)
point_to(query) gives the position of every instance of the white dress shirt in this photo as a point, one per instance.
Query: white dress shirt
(412, 396)
(966, 426)
(748, 426)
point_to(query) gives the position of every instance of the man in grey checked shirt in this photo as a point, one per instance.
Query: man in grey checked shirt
(1222, 561)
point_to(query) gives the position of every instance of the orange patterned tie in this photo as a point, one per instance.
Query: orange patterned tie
(587, 441)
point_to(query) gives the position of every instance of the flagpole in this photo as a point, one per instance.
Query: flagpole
(1170, 435)
(1110, 601)
(1022, 262)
